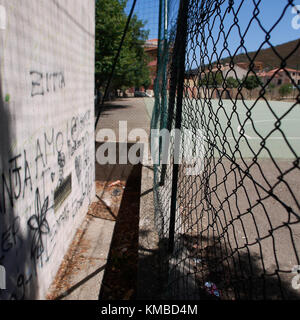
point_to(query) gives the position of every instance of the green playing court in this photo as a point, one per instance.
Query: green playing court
(246, 128)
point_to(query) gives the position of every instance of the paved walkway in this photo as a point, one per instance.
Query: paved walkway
(132, 110)
(149, 102)
(82, 270)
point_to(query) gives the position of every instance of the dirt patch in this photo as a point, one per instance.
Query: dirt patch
(77, 259)
(72, 263)
(109, 196)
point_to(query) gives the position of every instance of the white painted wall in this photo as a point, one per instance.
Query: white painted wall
(47, 133)
(238, 72)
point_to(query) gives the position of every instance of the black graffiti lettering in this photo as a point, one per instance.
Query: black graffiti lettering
(7, 243)
(58, 78)
(59, 142)
(27, 174)
(7, 189)
(84, 120)
(46, 82)
(61, 161)
(72, 148)
(74, 129)
(37, 84)
(54, 80)
(78, 167)
(16, 172)
(39, 226)
(20, 291)
(9, 237)
(43, 179)
(49, 143)
(63, 217)
(62, 83)
(39, 155)
(21, 285)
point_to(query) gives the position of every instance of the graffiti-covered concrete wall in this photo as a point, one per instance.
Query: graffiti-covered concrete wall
(47, 136)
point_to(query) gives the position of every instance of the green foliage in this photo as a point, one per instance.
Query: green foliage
(146, 83)
(232, 82)
(285, 89)
(271, 86)
(131, 69)
(252, 82)
(211, 79)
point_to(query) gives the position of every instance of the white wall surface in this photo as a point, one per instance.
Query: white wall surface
(47, 134)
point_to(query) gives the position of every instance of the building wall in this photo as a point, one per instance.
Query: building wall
(281, 77)
(47, 136)
(237, 73)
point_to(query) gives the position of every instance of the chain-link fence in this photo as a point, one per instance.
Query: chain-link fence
(230, 216)
(147, 11)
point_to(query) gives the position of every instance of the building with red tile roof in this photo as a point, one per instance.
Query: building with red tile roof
(279, 76)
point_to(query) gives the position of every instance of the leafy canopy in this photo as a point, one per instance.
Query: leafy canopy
(252, 82)
(232, 82)
(132, 67)
(211, 79)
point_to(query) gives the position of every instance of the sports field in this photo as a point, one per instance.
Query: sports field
(244, 203)
(241, 127)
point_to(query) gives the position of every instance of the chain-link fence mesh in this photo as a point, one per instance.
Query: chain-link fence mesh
(147, 11)
(232, 219)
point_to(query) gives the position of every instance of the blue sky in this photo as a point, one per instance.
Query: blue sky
(270, 11)
(147, 10)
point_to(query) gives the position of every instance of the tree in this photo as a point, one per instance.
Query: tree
(285, 89)
(132, 67)
(212, 79)
(232, 83)
(252, 82)
(146, 83)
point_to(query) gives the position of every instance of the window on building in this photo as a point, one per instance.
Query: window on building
(279, 82)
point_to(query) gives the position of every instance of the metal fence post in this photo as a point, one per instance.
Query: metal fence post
(181, 39)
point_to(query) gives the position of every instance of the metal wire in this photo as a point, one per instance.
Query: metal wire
(234, 225)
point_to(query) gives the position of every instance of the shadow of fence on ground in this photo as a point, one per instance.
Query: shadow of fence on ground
(238, 276)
